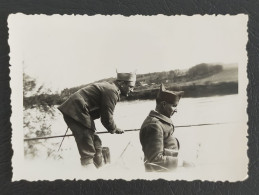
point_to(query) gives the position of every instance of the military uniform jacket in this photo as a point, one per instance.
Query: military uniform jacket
(91, 102)
(158, 144)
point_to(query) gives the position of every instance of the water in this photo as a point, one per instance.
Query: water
(218, 151)
(190, 111)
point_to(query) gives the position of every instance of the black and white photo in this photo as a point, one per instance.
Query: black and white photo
(53, 57)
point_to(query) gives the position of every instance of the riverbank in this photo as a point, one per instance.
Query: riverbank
(210, 83)
(193, 90)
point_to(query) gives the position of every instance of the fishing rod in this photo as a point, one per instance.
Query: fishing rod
(104, 132)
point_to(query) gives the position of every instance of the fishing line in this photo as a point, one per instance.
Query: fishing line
(128, 130)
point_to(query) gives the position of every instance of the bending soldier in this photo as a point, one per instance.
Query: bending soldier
(94, 101)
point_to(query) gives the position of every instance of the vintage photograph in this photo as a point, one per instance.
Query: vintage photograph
(139, 97)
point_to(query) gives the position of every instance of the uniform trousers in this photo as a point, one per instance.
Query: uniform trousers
(88, 142)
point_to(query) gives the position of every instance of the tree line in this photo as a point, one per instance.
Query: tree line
(43, 97)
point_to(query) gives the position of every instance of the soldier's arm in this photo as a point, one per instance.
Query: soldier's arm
(172, 147)
(109, 100)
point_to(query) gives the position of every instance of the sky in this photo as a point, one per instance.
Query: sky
(68, 51)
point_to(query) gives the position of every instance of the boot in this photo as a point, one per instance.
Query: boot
(90, 167)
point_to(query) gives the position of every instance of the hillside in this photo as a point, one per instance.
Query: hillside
(227, 75)
(223, 82)
(198, 81)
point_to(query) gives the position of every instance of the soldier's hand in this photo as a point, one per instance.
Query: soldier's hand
(188, 164)
(119, 131)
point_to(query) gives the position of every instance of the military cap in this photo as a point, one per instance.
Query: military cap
(126, 77)
(171, 97)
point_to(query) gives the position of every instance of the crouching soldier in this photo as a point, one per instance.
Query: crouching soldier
(159, 145)
(94, 101)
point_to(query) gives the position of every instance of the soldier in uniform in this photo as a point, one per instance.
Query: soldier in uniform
(159, 145)
(95, 101)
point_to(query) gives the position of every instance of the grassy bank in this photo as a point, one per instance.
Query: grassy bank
(202, 90)
(224, 82)
(202, 80)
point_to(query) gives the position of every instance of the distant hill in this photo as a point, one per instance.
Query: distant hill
(194, 82)
(203, 74)
(198, 81)
(229, 74)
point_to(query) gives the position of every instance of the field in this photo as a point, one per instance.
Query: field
(227, 75)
